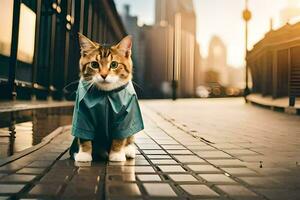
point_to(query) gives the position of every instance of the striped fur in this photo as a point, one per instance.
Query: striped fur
(104, 77)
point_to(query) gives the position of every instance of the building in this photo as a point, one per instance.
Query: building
(158, 41)
(176, 22)
(165, 51)
(216, 70)
(138, 50)
(274, 63)
(39, 50)
(198, 68)
(217, 60)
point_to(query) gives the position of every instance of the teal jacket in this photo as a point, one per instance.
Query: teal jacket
(101, 116)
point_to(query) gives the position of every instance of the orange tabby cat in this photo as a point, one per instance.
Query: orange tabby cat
(106, 106)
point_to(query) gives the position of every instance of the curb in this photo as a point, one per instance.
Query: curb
(286, 109)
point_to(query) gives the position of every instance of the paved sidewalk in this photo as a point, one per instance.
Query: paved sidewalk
(207, 149)
(259, 147)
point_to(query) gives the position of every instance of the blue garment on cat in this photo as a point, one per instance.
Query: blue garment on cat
(101, 116)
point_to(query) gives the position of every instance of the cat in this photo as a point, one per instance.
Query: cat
(106, 112)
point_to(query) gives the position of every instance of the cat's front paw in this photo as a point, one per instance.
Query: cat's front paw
(130, 151)
(117, 156)
(83, 157)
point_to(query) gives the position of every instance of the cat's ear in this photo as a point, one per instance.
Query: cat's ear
(125, 45)
(86, 45)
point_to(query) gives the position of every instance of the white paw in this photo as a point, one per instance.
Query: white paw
(117, 156)
(130, 151)
(83, 157)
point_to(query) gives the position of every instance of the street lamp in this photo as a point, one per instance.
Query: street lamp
(176, 54)
(246, 17)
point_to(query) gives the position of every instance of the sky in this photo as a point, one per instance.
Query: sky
(222, 18)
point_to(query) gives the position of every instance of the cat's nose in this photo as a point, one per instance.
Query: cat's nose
(103, 76)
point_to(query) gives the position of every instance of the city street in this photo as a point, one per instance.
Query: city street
(190, 149)
(210, 88)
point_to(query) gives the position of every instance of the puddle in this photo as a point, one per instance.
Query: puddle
(23, 129)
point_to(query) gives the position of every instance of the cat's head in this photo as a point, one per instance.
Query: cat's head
(106, 67)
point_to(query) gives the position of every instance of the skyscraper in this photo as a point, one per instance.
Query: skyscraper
(179, 18)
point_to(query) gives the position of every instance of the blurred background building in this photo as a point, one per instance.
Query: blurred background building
(275, 63)
(39, 49)
(168, 50)
(217, 72)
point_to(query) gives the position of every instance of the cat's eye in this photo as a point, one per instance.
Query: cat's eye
(114, 64)
(95, 65)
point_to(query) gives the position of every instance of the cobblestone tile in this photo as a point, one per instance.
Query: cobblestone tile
(179, 152)
(182, 178)
(149, 146)
(27, 170)
(45, 190)
(10, 188)
(148, 177)
(121, 178)
(191, 143)
(17, 178)
(273, 170)
(171, 168)
(216, 178)
(241, 152)
(226, 146)
(133, 162)
(159, 189)
(90, 171)
(280, 194)
(147, 141)
(164, 161)
(212, 154)
(154, 152)
(203, 148)
(260, 182)
(204, 168)
(9, 168)
(159, 156)
(292, 181)
(143, 169)
(139, 157)
(236, 190)
(240, 171)
(174, 146)
(117, 169)
(57, 176)
(42, 164)
(166, 142)
(122, 189)
(80, 191)
(199, 190)
(189, 159)
(227, 162)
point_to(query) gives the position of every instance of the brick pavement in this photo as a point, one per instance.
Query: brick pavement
(260, 147)
(207, 150)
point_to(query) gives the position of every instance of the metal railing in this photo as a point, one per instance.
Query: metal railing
(56, 54)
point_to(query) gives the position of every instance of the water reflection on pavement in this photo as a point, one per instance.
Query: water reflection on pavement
(23, 129)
